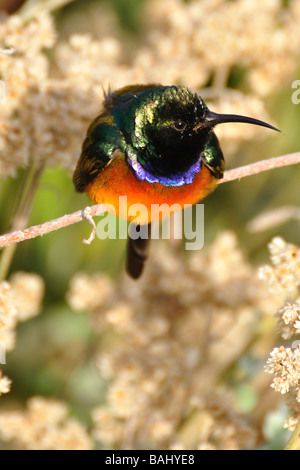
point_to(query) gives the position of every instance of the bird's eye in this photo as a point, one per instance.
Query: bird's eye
(179, 125)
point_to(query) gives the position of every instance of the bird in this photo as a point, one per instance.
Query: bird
(154, 144)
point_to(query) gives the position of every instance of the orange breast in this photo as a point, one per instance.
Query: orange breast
(118, 179)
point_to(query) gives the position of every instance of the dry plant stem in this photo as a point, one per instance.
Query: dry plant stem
(273, 218)
(294, 442)
(220, 80)
(87, 213)
(33, 8)
(259, 167)
(27, 192)
(51, 226)
(8, 51)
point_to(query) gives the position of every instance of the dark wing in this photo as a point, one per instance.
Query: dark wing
(102, 140)
(104, 136)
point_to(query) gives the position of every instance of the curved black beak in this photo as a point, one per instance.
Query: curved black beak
(212, 119)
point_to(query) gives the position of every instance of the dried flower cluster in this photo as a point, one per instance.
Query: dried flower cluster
(284, 362)
(45, 425)
(20, 299)
(44, 117)
(48, 109)
(217, 34)
(175, 333)
(164, 346)
(165, 343)
(22, 72)
(5, 384)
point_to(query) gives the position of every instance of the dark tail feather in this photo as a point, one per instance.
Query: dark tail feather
(137, 254)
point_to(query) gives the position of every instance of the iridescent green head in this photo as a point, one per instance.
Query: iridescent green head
(169, 134)
(165, 132)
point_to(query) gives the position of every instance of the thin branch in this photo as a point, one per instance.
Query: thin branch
(259, 167)
(294, 441)
(56, 224)
(272, 218)
(88, 213)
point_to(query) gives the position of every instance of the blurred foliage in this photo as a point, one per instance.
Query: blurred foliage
(54, 350)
